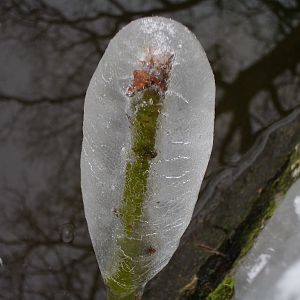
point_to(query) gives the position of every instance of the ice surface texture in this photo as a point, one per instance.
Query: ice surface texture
(147, 140)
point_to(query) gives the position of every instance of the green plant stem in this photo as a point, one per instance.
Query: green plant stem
(128, 275)
(135, 295)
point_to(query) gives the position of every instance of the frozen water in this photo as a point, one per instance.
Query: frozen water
(183, 143)
(271, 271)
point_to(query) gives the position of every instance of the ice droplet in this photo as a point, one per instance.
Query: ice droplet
(156, 68)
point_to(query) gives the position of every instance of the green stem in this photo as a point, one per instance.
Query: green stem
(135, 295)
(129, 275)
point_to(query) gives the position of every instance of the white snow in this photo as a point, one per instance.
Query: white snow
(258, 266)
(288, 286)
(297, 205)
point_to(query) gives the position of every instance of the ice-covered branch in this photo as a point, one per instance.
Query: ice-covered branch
(148, 130)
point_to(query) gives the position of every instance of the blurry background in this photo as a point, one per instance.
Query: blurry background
(49, 50)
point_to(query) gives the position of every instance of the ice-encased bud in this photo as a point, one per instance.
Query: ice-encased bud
(147, 138)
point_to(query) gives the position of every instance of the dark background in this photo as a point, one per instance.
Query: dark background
(48, 53)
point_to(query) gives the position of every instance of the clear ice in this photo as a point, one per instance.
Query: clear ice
(130, 255)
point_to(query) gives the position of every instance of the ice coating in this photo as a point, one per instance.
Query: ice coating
(183, 142)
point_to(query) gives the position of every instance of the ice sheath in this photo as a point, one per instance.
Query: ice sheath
(147, 138)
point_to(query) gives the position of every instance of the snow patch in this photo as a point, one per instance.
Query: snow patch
(297, 205)
(258, 266)
(288, 285)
